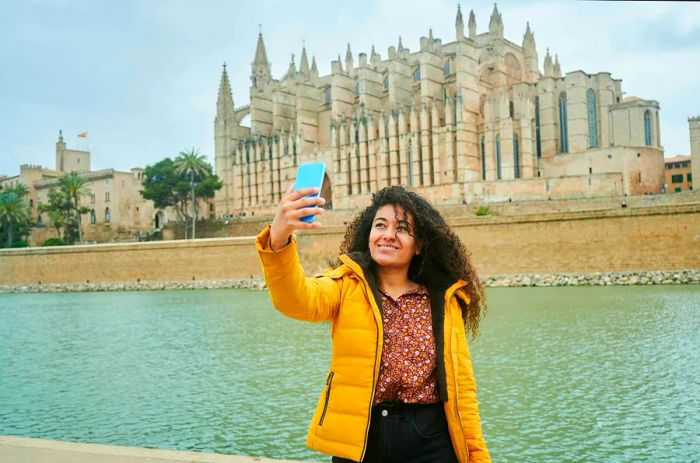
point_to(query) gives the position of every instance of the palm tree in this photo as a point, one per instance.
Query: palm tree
(13, 211)
(74, 186)
(193, 165)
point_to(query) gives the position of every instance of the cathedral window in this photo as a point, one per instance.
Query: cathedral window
(357, 88)
(447, 67)
(498, 158)
(327, 95)
(511, 109)
(386, 83)
(563, 124)
(538, 140)
(483, 158)
(93, 216)
(108, 215)
(516, 155)
(592, 119)
(647, 128)
(39, 221)
(416, 74)
(106, 196)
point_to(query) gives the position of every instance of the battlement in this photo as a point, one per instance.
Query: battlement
(31, 167)
(694, 119)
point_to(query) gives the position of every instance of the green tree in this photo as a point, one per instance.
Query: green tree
(74, 187)
(15, 215)
(165, 188)
(193, 166)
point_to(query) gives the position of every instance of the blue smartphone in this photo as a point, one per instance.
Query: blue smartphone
(310, 175)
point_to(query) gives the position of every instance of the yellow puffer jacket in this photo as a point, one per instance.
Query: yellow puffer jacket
(341, 421)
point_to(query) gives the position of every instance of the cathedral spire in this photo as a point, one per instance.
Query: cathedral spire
(224, 101)
(261, 75)
(529, 40)
(496, 22)
(557, 67)
(459, 24)
(304, 64)
(472, 25)
(314, 70)
(349, 66)
(400, 49)
(292, 71)
(260, 53)
(374, 57)
(548, 67)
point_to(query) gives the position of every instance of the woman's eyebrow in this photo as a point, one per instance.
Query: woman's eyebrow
(380, 218)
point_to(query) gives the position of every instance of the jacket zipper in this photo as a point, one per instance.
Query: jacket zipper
(329, 380)
(374, 369)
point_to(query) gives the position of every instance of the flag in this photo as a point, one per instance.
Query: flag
(82, 134)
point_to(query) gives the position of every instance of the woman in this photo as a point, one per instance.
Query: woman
(400, 386)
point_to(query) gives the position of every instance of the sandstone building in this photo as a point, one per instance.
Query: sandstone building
(475, 118)
(114, 199)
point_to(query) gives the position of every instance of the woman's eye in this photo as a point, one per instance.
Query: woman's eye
(402, 228)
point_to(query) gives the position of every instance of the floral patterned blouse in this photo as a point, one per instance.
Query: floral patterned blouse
(407, 371)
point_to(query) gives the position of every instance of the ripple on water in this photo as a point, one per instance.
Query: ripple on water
(564, 374)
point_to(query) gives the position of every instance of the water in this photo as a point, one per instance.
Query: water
(595, 374)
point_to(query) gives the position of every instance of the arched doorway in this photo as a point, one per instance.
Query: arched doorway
(327, 192)
(159, 219)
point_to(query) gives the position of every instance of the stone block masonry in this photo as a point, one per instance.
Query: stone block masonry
(629, 240)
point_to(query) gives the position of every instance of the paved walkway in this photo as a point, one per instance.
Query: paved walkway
(25, 450)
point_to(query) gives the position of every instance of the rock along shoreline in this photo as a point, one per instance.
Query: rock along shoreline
(660, 277)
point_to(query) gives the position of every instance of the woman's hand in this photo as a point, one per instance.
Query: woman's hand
(289, 213)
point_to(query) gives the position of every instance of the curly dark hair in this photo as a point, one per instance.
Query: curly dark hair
(443, 258)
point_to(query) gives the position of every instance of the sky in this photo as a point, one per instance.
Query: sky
(141, 77)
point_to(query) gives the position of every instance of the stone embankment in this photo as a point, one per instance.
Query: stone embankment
(677, 277)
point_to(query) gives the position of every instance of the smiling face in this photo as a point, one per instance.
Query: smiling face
(392, 241)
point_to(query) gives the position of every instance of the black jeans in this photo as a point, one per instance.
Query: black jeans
(405, 433)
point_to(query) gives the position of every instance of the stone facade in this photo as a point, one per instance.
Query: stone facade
(471, 119)
(632, 239)
(117, 209)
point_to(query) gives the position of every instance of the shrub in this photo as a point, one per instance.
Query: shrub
(482, 210)
(20, 244)
(54, 242)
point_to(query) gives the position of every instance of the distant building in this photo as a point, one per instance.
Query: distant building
(471, 118)
(116, 207)
(679, 176)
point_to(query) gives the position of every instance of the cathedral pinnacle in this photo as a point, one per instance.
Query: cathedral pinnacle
(472, 25)
(400, 44)
(557, 67)
(304, 64)
(496, 22)
(548, 67)
(224, 100)
(261, 75)
(314, 69)
(260, 53)
(459, 24)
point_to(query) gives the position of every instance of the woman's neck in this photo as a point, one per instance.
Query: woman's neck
(393, 279)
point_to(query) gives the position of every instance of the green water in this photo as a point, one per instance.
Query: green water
(594, 374)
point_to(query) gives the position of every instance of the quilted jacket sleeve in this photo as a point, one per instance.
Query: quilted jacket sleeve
(291, 291)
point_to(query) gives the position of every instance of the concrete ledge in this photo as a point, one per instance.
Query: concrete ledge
(27, 450)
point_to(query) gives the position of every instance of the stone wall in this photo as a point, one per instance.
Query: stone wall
(640, 238)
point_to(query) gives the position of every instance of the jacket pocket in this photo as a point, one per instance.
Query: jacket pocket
(329, 381)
